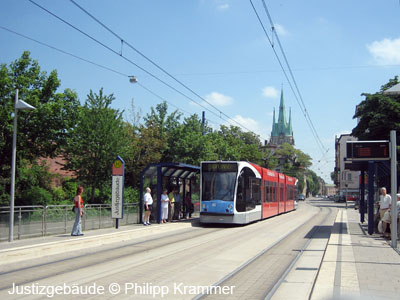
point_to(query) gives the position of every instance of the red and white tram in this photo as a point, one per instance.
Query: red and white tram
(240, 192)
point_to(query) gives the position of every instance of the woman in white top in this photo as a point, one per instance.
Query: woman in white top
(164, 206)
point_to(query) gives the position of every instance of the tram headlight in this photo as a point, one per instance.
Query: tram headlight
(230, 206)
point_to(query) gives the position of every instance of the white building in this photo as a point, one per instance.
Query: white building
(347, 181)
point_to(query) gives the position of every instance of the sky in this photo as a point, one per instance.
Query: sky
(336, 51)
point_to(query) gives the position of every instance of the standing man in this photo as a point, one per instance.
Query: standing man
(384, 204)
(148, 204)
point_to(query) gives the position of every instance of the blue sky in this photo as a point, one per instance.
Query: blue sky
(336, 49)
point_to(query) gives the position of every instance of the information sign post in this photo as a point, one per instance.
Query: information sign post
(117, 190)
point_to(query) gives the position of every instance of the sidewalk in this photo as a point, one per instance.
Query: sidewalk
(20, 250)
(357, 265)
(347, 264)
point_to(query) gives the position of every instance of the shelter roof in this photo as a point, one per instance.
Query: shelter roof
(178, 170)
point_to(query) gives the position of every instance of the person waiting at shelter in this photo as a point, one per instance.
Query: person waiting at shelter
(171, 205)
(164, 206)
(384, 205)
(178, 203)
(188, 206)
(148, 204)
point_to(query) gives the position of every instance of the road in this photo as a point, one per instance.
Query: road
(172, 262)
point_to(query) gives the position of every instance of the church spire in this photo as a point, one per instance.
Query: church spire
(282, 131)
(282, 114)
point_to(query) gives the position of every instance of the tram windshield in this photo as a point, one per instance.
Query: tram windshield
(218, 181)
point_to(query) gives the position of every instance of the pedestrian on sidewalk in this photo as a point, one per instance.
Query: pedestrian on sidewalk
(164, 206)
(178, 204)
(384, 205)
(78, 209)
(148, 204)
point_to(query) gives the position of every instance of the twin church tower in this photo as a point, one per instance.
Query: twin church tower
(282, 131)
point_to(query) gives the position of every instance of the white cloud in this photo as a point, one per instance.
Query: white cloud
(270, 92)
(223, 7)
(249, 123)
(280, 30)
(386, 51)
(218, 99)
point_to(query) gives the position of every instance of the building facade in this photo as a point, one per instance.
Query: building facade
(347, 182)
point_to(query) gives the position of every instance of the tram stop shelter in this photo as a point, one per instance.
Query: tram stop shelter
(158, 176)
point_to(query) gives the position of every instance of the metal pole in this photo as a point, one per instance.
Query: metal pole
(371, 192)
(393, 184)
(362, 197)
(13, 159)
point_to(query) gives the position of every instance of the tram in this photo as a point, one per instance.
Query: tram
(237, 192)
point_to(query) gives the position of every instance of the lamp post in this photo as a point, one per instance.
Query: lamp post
(18, 105)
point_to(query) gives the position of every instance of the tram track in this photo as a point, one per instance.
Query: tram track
(55, 265)
(192, 256)
(261, 276)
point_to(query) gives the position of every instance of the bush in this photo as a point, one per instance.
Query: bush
(131, 195)
(36, 196)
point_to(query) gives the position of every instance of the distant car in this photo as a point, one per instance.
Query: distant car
(301, 197)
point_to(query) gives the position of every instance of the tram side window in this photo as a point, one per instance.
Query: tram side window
(287, 192)
(248, 191)
(273, 191)
(267, 194)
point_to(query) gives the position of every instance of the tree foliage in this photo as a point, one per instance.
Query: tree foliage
(90, 136)
(94, 143)
(42, 132)
(378, 114)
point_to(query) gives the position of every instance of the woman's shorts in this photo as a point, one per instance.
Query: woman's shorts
(150, 207)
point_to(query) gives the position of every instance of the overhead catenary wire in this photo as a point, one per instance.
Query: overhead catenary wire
(320, 145)
(123, 41)
(139, 67)
(291, 73)
(100, 66)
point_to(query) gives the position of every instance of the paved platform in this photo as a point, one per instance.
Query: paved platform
(348, 264)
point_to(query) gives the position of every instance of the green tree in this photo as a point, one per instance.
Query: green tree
(313, 183)
(378, 114)
(42, 132)
(165, 125)
(189, 144)
(94, 143)
(293, 160)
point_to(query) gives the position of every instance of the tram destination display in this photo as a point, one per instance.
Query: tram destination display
(368, 150)
(219, 167)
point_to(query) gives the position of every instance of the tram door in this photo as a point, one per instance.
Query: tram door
(248, 191)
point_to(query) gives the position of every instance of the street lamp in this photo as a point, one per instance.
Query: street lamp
(133, 79)
(18, 105)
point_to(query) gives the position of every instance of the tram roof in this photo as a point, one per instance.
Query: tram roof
(178, 170)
